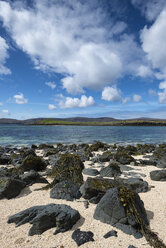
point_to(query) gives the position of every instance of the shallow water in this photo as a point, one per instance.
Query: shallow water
(27, 135)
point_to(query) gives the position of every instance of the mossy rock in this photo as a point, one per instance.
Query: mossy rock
(123, 158)
(68, 167)
(33, 163)
(106, 156)
(98, 145)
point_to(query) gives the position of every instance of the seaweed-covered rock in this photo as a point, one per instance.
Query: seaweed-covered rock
(112, 170)
(98, 145)
(33, 163)
(68, 167)
(44, 217)
(106, 156)
(123, 158)
(90, 172)
(10, 187)
(114, 208)
(32, 177)
(65, 190)
(158, 175)
(82, 237)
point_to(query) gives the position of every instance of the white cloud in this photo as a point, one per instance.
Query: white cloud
(152, 92)
(83, 102)
(72, 38)
(5, 111)
(19, 99)
(51, 106)
(1, 103)
(144, 71)
(52, 85)
(111, 94)
(137, 98)
(126, 100)
(153, 43)
(162, 95)
(3, 56)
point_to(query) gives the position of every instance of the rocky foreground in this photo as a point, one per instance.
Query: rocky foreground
(84, 195)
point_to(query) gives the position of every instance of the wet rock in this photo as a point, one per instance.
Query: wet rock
(90, 172)
(33, 163)
(32, 177)
(82, 237)
(68, 167)
(110, 234)
(158, 175)
(65, 190)
(112, 170)
(10, 187)
(44, 217)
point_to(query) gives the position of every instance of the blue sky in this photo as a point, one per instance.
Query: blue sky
(64, 58)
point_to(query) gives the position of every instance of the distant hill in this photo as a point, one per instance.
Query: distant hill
(105, 121)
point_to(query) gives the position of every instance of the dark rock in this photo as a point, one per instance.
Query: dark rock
(162, 163)
(98, 145)
(65, 190)
(158, 175)
(106, 156)
(147, 162)
(131, 246)
(33, 146)
(136, 184)
(32, 177)
(45, 146)
(81, 237)
(96, 199)
(33, 163)
(86, 204)
(49, 152)
(112, 170)
(90, 172)
(112, 210)
(123, 158)
(110, 234)
(4, 159)
(42, 218)
(10, 187)
(68, 167)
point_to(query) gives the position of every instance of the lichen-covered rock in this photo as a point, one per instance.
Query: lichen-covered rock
(82, 237)
(10, 187)
(116, 208)
(112, 170)
(68, 167)
(65, 190)
(158, 175)
(33, 163)
(32, 177)
(44, 217)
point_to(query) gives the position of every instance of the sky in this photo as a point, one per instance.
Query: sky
(66, 58)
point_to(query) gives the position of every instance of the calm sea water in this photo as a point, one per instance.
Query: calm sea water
(27, 135)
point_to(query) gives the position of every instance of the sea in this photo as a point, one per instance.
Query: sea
(21, 135)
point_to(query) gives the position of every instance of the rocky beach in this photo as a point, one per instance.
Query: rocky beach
(96, 195)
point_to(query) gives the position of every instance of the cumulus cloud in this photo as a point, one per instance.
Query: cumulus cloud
(153, 43)
(126, 100)
(144, 71)
(111, 94)
(83, 102)
(162, 94)
(75, 39)
(19, 99)
(52, 85)
(3, 56)
(51, 106)
(137, 98)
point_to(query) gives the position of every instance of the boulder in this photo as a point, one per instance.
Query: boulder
(106, 156)
(136, 184)
(68, 167)
(45, 146)
(4, 159)
(118, 207)
(82, 237)
(10, 187)
(65, 190)
(158, 175)
(33, 163)
(32, 177)
(44, 217)
(123, 158)
(98, 145)
(112, 170)
(90, 172)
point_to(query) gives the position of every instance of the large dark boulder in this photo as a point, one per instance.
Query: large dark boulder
(10, 187)
(65, 190)
(123, 158)
(90, 172)
(4, 159)
(98, 145)
(68, 167)
(82, 237)
(33, 163)
(112, 170)
(106, 156)
(136, 184)
(44, 217)
(120, 207)
(158, 175)
(32, 177)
